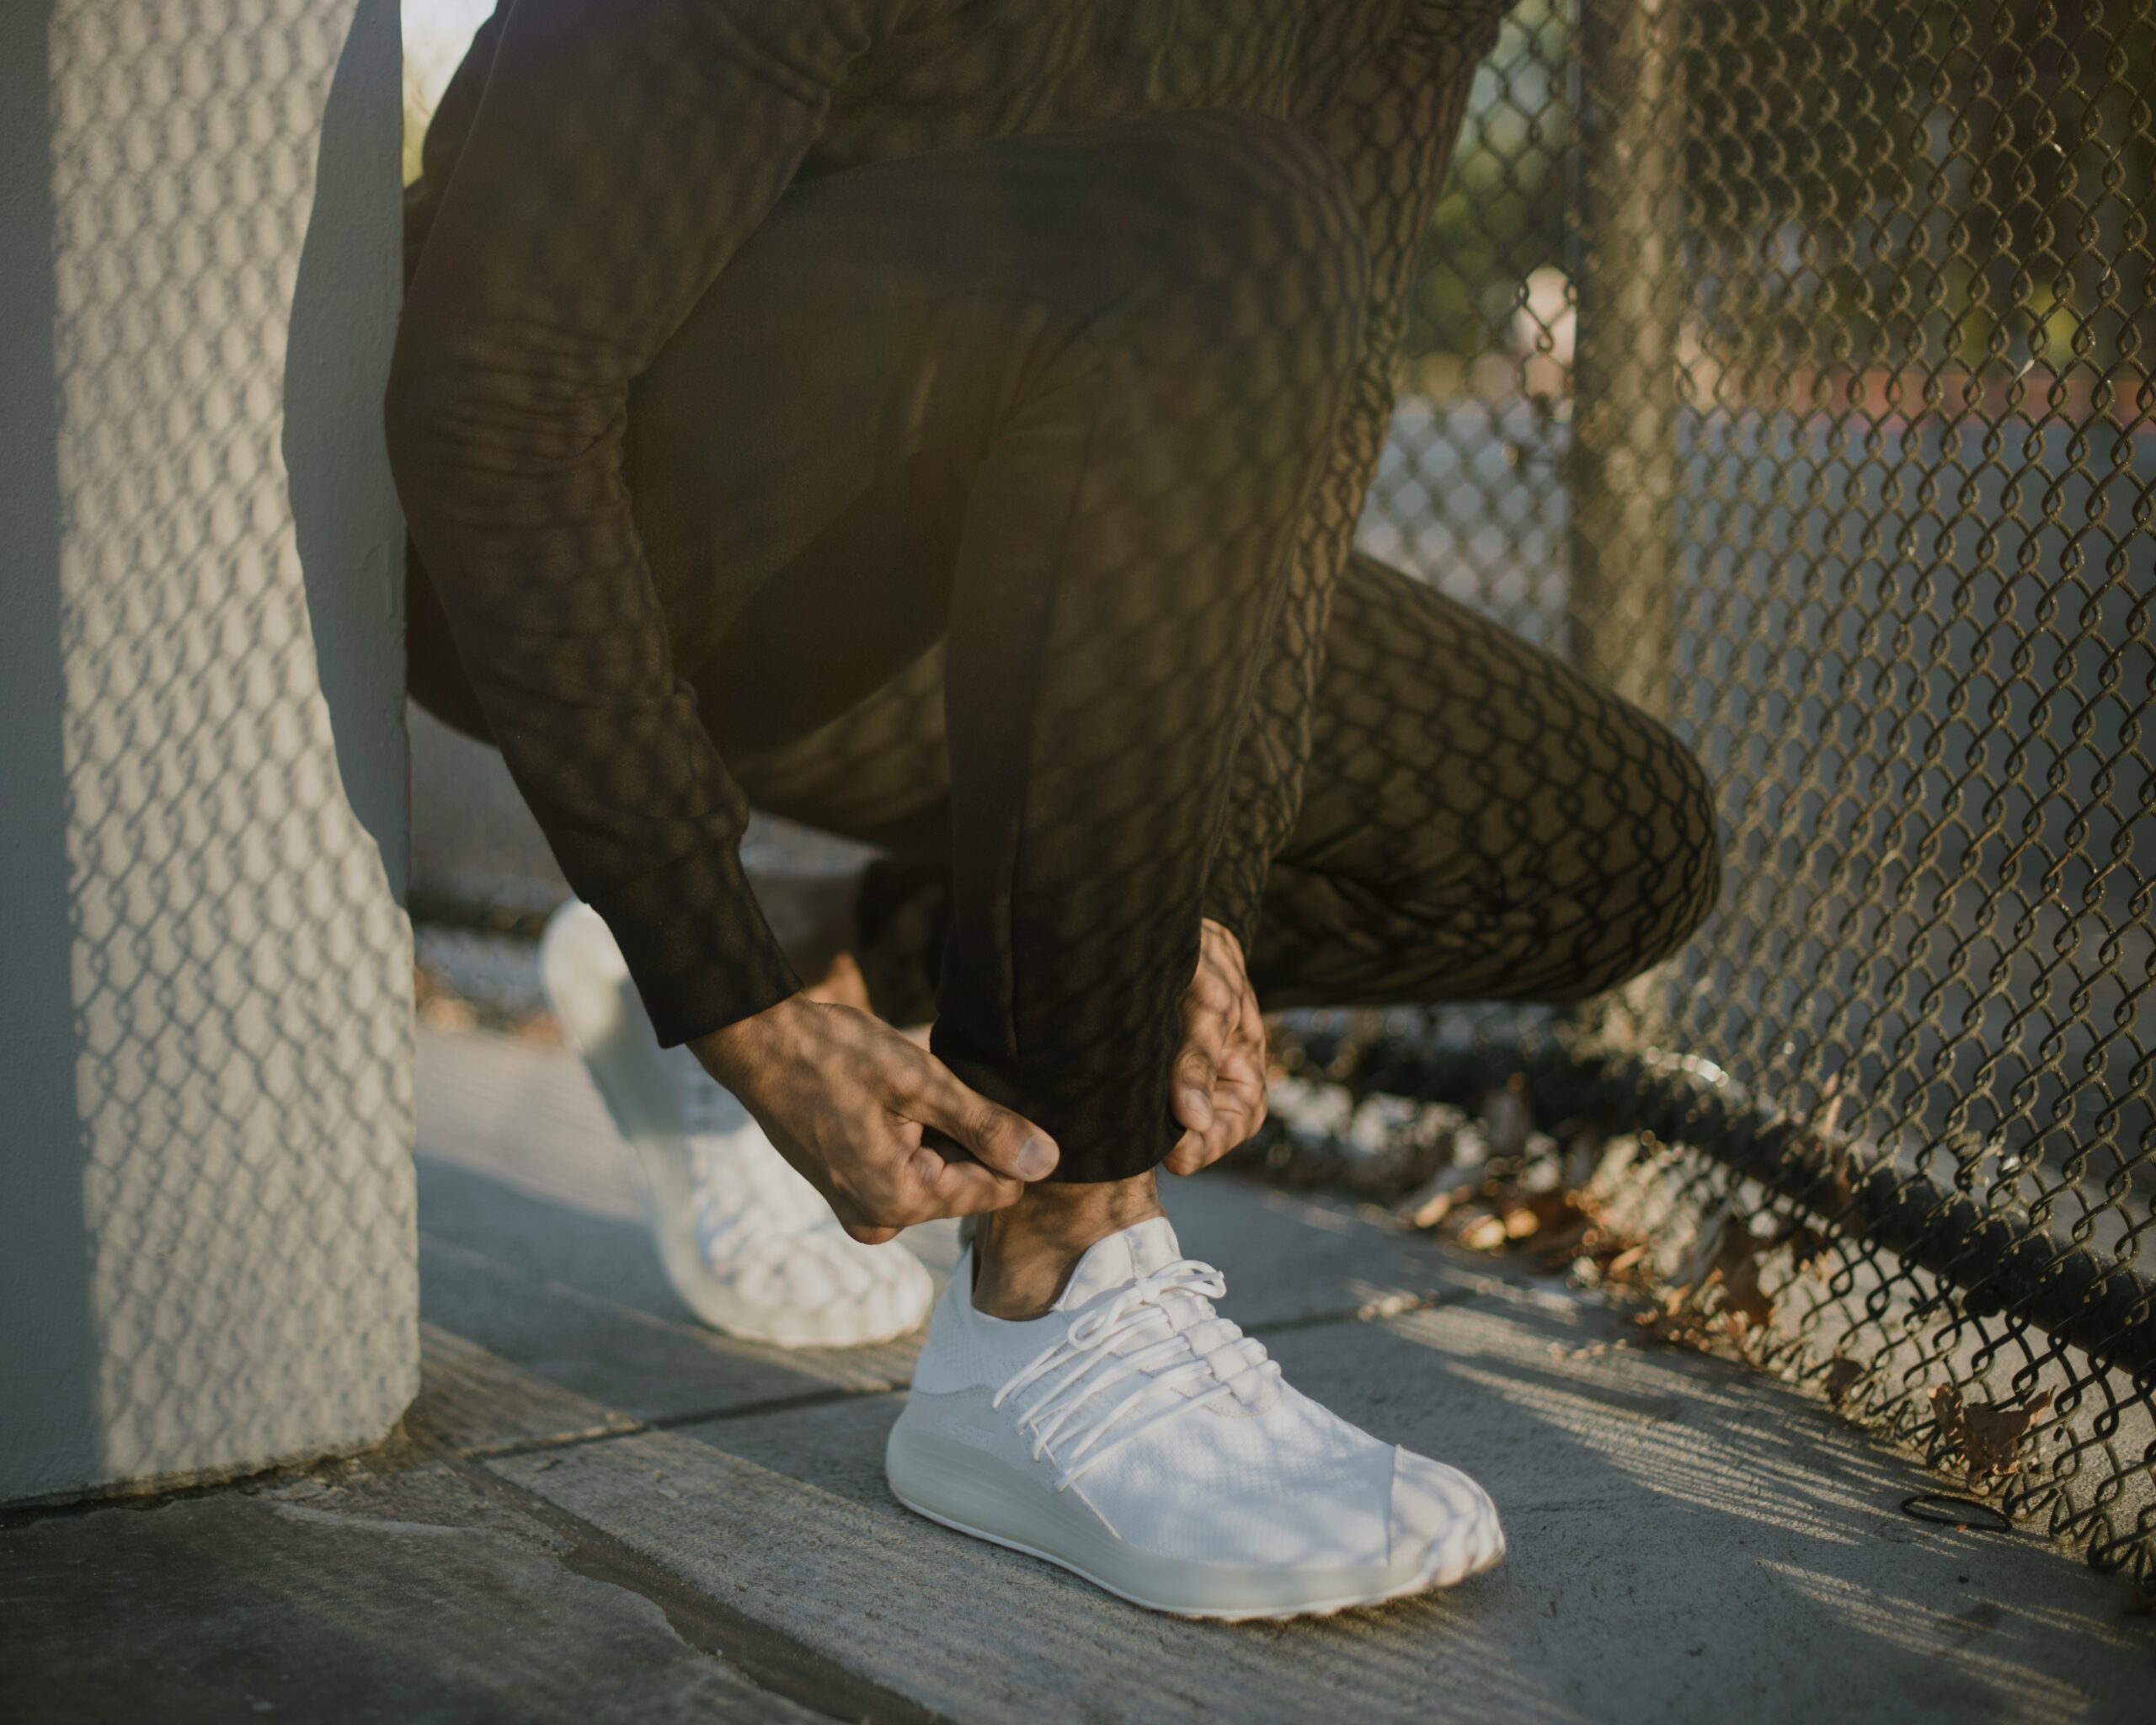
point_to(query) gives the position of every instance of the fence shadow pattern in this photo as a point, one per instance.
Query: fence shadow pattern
(234, 964)
(1786, 365)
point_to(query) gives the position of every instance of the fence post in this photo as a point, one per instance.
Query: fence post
(1625, 402)
(207, 1254)
(1624, 459)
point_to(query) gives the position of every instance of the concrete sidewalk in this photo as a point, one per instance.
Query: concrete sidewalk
(603, 1512)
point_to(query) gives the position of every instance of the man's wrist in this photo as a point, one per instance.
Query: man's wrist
(732, 1053)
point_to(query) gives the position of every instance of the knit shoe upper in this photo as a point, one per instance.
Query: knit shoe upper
(1140, 1438)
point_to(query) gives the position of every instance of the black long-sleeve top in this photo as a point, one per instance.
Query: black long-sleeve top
(593, 166)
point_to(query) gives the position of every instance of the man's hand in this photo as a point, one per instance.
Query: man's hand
(848, 1102)
(1220, 1076)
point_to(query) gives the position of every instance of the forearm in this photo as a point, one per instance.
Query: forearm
(560, 633)
(619, 157)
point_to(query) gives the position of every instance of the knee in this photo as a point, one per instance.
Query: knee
(1690, 847)
(1673, 877)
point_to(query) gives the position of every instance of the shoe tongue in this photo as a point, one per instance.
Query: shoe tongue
(1118, 1261)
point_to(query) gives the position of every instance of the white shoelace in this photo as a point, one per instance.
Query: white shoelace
(1190, 1361)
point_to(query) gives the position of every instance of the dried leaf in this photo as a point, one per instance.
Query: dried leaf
(1946, 1409)
(1988, 1434)
(1824, 1134)
(1558, 1246)
(1839, 1379)
(1808, 1247)
(1737, 1248)
(1749, 1306)
(1737, 1264)
(1529, 1213)
(1828, 1125)
(1556, 1208)
(1995, 1431)
(1429, 1203)
(1676, 1323)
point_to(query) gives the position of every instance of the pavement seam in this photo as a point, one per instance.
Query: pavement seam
(1373, 1311)
(768, 1657)
(673, 1422)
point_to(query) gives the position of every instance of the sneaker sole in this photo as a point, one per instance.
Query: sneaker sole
(605, 1023)
(973, 1493)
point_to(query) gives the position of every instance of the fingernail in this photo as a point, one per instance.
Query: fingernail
(1200, 1106)
(1036, 1157)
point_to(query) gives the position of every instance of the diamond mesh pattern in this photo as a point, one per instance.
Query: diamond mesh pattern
(242, 969)
(1785, 367)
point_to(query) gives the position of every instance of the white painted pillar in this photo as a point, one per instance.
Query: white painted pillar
(207, 1257)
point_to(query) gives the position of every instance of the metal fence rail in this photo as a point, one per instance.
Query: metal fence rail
(1794, 356)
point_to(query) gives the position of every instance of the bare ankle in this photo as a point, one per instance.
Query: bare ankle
(1026, 1253)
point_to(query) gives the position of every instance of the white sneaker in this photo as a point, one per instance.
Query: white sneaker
(1136, 1437)
(749, 1244)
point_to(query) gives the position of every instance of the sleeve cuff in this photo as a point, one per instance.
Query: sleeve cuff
(697, 946)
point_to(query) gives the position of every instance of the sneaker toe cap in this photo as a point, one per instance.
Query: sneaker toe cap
(1443, 1519)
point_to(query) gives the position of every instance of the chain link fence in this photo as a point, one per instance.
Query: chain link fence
(1789, 361)
(1786, 366)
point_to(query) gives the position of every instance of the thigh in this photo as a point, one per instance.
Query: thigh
(878, 774)
(798, 454)
(801, 454)
(799, 457)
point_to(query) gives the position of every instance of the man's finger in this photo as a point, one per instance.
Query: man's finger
(1187, 1155)
(1010, 1144)
(951, 1187)
(1219, 1082)
(867, 1230)
(1239, 1109)
(1242, 1081)
(869, 1236)
(1208, 1020)
(1240, 1114)
(1195, 1072)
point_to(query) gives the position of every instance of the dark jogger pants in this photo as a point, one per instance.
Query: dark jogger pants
(968, 487)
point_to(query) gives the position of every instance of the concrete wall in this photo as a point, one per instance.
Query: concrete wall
(206, 1239)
